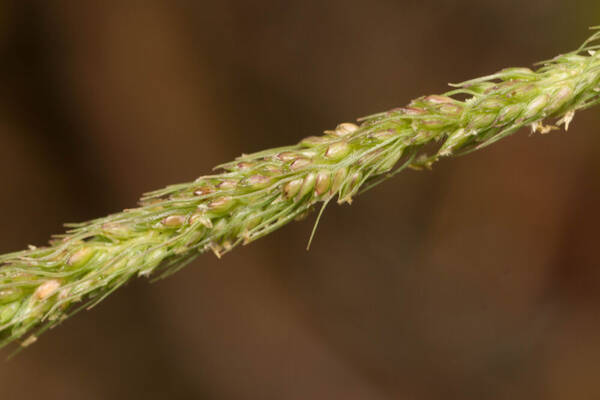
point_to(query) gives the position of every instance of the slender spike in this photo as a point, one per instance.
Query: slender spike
(259, 193)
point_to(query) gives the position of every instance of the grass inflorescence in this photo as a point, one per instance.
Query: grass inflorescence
(259, 193)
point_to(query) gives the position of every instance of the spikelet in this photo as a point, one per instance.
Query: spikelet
(258, 193)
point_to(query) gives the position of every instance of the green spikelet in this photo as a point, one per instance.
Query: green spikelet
(258, 193)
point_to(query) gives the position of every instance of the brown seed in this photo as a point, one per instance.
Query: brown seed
(370, 156)
(80, 257)
(492, 104)
(307, 185)
(413, 111)
(272, 169)
(227, 184)
(149, 203)
(221, 204)
(505, 85)
(450, 109)
(173, 221)
(345, 128)
(204, 190)
(323, 182)
(46, 289)
(314, 141)
(395, 110)
(299, 163)
(291, 188)
(559, 98)
(115, 228)
(535, 106)
(436, 99)
(516, 73)
(524, 90)
(338, 179)
(287, 156)
(245, 165)
(382, 135)
(337, 150)
(310, 153)
(453, 142)
(433, 123)
(509, 113)
(257, 181)
(481, 121)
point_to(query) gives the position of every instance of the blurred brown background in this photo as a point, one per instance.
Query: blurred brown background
(478, 280)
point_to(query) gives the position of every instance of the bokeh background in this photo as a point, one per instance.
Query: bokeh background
(477, 280)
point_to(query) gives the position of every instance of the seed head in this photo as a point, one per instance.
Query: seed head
(257, 193)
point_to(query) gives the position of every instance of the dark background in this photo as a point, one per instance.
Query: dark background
(477, 280)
